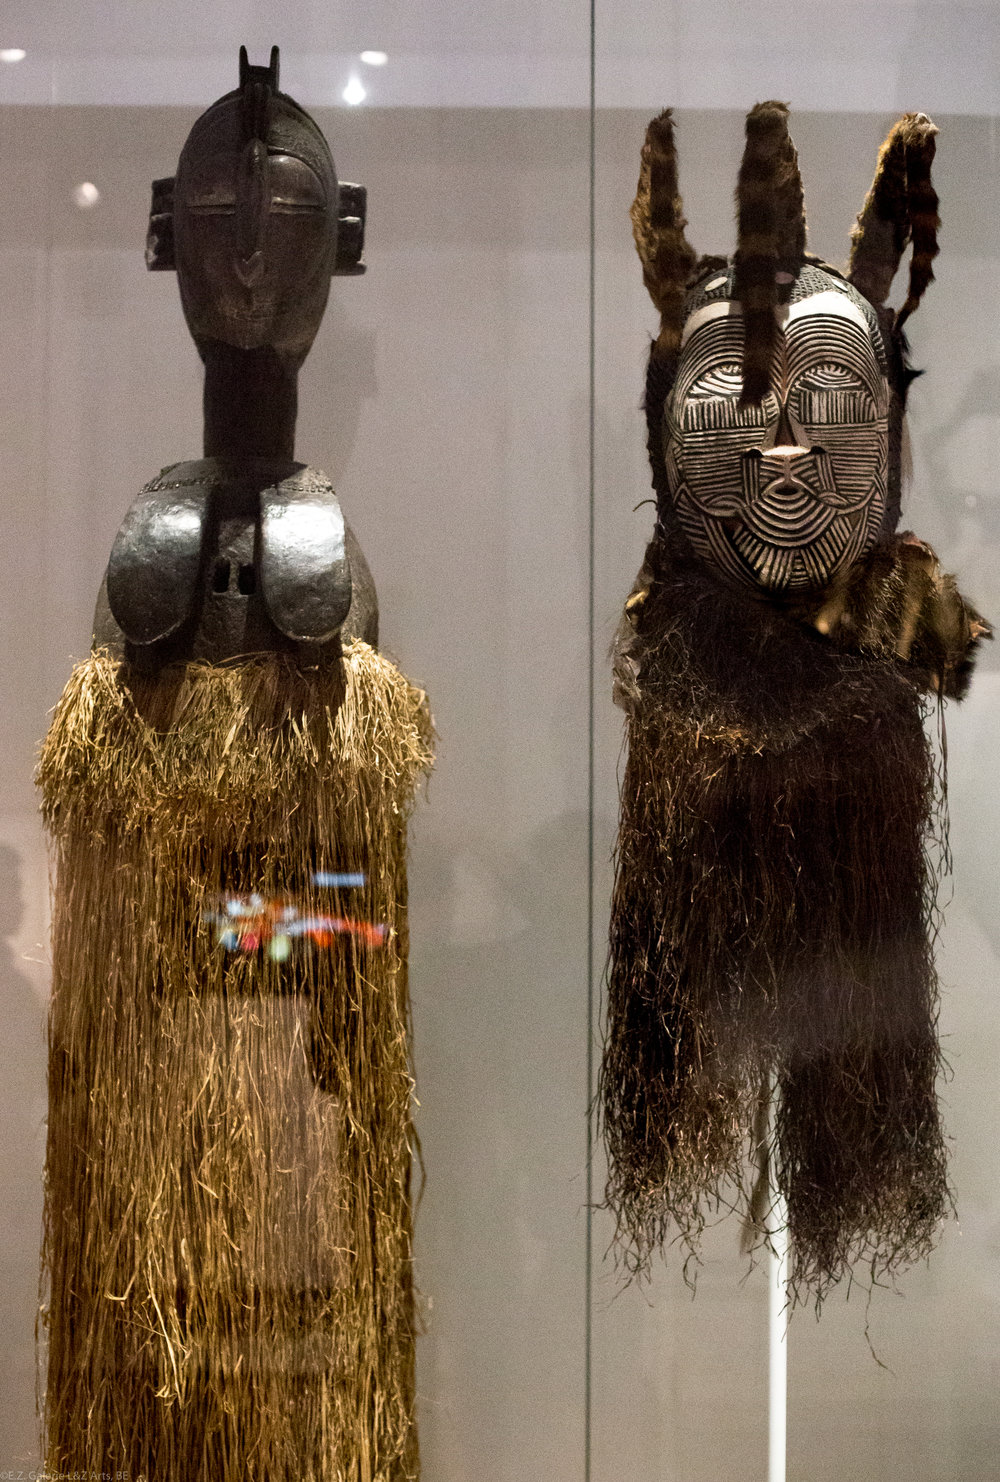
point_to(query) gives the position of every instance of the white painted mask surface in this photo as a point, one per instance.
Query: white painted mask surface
(785, 494)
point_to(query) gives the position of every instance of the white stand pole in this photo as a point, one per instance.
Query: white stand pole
(777, 1312)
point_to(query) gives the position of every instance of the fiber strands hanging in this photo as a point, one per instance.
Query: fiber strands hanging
(782, 828)
(228, 1214)
(772, 914)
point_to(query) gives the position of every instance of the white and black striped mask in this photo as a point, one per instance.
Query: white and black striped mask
(785, 494)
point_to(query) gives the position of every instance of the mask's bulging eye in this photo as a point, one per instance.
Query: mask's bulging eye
(722, 381)
(712, 404)
(296, 189)
(832, 395)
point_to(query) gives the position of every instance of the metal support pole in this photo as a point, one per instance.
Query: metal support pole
(777, 1312)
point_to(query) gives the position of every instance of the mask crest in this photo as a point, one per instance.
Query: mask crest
(258, 86)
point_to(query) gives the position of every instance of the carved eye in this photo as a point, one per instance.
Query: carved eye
(212, 198)
(832, 395)
(712, 404)
(295, 187)
(722, 381)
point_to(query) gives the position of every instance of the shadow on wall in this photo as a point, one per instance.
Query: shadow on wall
(22, 1112)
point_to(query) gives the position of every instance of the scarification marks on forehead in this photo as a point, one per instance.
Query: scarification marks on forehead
(812, 283)
(783, 518)
(825, 327)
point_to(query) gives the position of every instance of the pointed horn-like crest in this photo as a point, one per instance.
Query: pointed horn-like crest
(771, 236)
(258, 87)
(658, 227)
(901, 207)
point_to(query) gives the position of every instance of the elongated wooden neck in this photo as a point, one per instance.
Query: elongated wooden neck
(251, 402)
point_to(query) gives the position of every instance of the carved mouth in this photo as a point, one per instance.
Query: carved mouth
(791, 564)
(788, 516)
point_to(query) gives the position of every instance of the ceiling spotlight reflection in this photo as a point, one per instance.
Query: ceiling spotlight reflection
(355, 91)
(86, 195)
(12, 54)
(374, 58)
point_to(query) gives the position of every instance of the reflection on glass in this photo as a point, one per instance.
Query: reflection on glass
(274, 924)
(86, 195)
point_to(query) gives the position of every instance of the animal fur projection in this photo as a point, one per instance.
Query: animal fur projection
(778, 658)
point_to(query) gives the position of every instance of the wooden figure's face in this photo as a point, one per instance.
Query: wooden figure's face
(255, 230)
(785, 494)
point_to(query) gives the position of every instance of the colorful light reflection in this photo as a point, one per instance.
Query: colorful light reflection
(275, 925)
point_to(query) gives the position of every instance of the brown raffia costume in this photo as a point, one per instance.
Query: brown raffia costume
(779, 655)
(228, 1212)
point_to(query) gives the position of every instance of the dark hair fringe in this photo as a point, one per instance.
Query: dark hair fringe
(771, 236)
(772, 914)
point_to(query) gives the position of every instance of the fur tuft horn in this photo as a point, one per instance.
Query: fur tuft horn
(658, 227)
(771, 236)
(901, 207)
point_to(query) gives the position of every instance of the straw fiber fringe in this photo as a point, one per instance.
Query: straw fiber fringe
(773, 912)
(227, 1218)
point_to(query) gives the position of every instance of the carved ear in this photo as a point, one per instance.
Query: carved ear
(771, 237)
(352, 207)
(901, 207)
(160, 236)
(658, 227)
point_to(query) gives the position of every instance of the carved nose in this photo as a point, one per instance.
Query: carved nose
(249, 269)
(786, 443)
(783, 457)
(253, 201)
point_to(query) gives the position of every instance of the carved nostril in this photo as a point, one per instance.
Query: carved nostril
(786, 443)
(220, 577)
(247, 581)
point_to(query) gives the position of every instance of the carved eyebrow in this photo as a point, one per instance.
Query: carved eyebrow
(822, 339)
(829, 304)
(296, 188)
(721, 309)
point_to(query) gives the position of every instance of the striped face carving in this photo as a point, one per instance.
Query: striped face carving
(785, 494)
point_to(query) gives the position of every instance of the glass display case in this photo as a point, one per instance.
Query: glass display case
(475, 401)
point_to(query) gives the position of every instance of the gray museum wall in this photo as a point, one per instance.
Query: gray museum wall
(448, 399)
